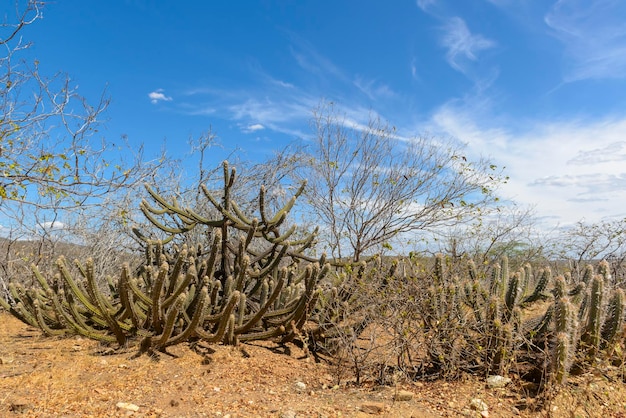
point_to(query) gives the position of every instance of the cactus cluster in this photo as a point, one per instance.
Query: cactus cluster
(250, 282)
(485, 322)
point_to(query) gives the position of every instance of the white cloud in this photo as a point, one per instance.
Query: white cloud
(54, 225)
(569, 169)
(594, 36)
(158, 96)
(253, 128)
(462, 45)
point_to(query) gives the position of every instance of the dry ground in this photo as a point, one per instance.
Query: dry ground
(48, 377)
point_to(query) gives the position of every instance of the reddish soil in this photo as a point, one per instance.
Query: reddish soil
(75, 377)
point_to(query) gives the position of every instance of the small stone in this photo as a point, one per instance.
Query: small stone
(19, 405)
(403, 395)
(498, 381)
(484, 414)
(127, 406)
(373, 407)
(301, 387)
(174, 403)
(478, 405)
(288, 414)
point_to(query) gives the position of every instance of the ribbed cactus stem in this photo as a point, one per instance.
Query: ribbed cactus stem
(472, 271)
(587, 274)
(512, 293)
(614, 319)
(561, 360)
(604, 270)
(439, 270)
(560, 287)
(591, 336)
(545, 277)
(564, 344)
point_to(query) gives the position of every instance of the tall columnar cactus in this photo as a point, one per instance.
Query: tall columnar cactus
(252, 281)
(591, 336)
(565, 336)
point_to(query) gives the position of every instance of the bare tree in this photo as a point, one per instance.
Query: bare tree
(54, 167)
(505, 230)
(367, 185)
(585, 243)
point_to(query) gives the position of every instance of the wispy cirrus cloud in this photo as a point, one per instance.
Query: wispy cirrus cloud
(425, 5)
(373, 89)
(462, 45)
(272, 104)
(158, 96)
(594, 36)
(310, 60)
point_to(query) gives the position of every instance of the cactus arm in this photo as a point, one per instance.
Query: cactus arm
(242, 217)
(184, 284)
(84, 331)
(263, 309)
(67, 277)
(97, 296)
(591, 334)
(614, 319)
(223, 317)
(262, 335)
(196, 319)
(132, 284)
(42, 323)
(170, 319)
(156, 311)
(542, 284)
(42, 281)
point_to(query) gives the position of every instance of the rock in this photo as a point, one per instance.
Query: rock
(301, 387)
(373, 407)
(403, 395)
(127, 406)
(478, 405)
(288, 414)
(497, 381)
(19, 405)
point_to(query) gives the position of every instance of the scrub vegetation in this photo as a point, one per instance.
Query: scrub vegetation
(388, 259)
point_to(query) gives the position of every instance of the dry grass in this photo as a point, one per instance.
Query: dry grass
(44, 377)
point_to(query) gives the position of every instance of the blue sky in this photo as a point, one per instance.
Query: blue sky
(537, 86)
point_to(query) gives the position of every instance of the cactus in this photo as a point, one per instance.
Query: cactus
(565, 337)
(614, 319)
(591, 336)
(250, 287)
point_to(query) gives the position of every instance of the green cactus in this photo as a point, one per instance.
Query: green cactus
(591, 334)
(238, 289)
(613, 321)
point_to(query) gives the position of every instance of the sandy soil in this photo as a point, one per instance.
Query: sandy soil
(75, 377)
